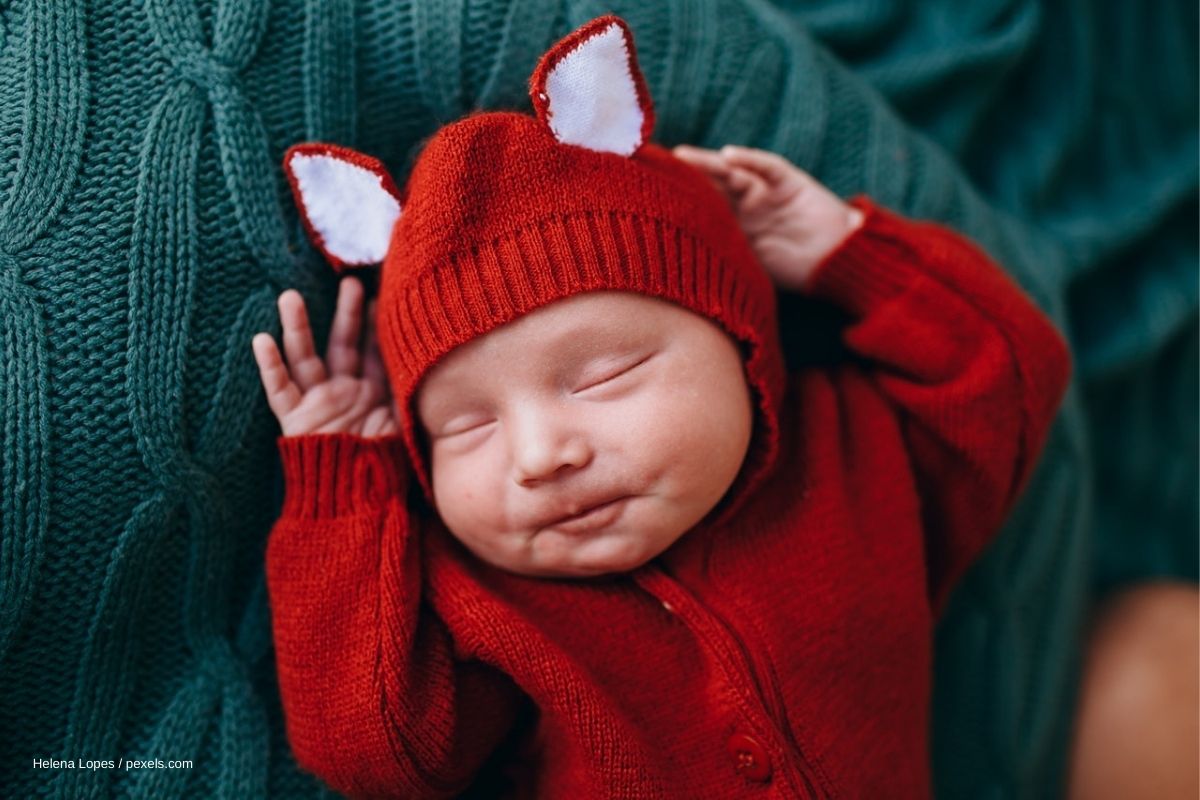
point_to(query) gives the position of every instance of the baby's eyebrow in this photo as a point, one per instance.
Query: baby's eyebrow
(439, 413)
(429, 401)
(591, 340)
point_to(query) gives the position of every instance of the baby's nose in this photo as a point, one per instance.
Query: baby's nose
(546, 446)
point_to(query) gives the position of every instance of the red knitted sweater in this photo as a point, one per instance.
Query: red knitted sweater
(784, 652)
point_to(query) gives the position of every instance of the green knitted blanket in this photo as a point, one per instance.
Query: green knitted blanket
(145, 232)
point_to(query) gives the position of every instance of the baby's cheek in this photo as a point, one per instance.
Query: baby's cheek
(640, 435)
(698, 437)
(454, 493)
(668, 427)
(468, 497)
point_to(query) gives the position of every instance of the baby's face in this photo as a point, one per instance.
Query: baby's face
(587, 436)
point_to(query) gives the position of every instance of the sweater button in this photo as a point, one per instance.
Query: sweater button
(749, 758)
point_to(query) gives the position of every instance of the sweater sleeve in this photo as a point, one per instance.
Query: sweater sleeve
(375, 702)
(974, 369)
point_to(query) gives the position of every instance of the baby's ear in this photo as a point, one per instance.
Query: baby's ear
(589, 91)
(347, 200)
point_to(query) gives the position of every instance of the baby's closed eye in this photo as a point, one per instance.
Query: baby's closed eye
(463, 424)
(606, 371)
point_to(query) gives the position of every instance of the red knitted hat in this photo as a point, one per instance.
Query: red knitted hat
(504, 213)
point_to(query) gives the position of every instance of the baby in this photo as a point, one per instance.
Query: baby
(640, 560)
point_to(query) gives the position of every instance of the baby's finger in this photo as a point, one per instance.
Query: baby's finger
(283, 394)
(750, 187)
(342, 354)
(306, 367)
(373, 370)
(707, 161)
(772, 167)
(711, 164)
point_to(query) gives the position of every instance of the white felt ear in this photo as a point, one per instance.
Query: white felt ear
(348, 201)
(590, 95)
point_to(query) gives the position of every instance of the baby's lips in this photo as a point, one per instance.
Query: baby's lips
(567, 511)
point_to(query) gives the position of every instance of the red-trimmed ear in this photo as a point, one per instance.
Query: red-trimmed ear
(589, 91)
(347, 200)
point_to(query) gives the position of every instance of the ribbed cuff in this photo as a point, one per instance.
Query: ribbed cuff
(872, 265)
(340, 474)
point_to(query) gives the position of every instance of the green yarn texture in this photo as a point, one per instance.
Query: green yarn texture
(146, 230)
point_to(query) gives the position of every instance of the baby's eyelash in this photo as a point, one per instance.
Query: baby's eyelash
(473, 427)
(616, 374)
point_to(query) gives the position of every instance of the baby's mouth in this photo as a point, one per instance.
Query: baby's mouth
(591, 517)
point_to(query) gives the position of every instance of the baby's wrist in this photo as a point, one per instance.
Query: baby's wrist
(841, 226)
(831, 229)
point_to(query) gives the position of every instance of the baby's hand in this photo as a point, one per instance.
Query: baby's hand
(792, 221)
(346, 393)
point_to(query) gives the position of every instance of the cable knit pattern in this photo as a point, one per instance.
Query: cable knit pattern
(55, 85)
(145, 231)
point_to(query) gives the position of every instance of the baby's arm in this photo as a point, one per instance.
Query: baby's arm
(375, 702)
(975, 370)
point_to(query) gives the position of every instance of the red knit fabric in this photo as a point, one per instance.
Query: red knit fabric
(783, 651)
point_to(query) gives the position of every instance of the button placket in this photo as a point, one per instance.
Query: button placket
(750, 754)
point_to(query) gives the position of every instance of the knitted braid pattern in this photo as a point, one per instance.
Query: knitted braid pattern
(199, 118)
(163, 274)
(56, 83)
(145, 231)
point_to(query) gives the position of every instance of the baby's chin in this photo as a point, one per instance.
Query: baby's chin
(551, 554)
